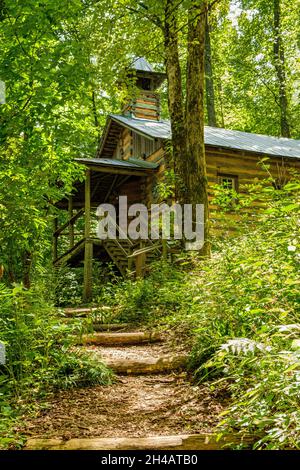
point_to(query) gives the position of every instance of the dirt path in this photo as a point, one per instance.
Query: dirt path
(134, 406)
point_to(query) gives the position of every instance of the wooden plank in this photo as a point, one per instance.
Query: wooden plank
(111, 326)
(124, 338)
(72, 220)
(164, 249)
(70, 253)
(119, 171)
(204, 441)
(88, 249)
(147, 249)
(158, 154)
(78, 311)
(140, 264)
(149, 365)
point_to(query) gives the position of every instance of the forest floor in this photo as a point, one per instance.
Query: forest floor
(132, 406)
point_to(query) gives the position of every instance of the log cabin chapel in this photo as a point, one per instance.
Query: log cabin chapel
(131, 160)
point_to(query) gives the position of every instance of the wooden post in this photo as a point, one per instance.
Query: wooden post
(130, 264)
(140, 263)
(55, 239)
(71, 224)
(88, 245)
(164, 249)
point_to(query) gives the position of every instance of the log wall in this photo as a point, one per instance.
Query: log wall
(245, 166)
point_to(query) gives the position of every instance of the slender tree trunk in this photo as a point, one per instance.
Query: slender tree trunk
(220, 97)
(96, 122)
(27, 262)
(280, 70)
(175, 94)
(209, 81)
(196, 179)
(2, 10)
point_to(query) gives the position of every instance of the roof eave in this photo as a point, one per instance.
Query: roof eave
(121, 170)
(252, 152)
(132, 128)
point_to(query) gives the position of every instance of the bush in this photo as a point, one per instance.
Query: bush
(148, 299)
(240, 312)
(40, 356)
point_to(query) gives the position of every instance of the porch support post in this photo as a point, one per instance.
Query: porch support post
(71, 224)
(130, 264)
(164, 249)
(140, 263)
(88, 246)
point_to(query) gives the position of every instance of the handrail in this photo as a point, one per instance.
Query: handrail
(69, 222)
(145, 250)
(120, 231)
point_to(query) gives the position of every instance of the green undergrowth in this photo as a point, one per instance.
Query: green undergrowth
(40, 358)
(239, 313)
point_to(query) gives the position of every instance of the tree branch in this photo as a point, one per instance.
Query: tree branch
(153, 18)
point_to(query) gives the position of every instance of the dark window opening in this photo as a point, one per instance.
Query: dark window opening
(144, 83)
(229, 182)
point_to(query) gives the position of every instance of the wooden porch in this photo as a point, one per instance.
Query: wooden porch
(76, 240)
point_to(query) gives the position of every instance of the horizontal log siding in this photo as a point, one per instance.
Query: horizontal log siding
(124, 147)
(143, 147)
(241, 164)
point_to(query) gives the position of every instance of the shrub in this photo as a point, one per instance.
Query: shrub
(40, 356)
(239, 311)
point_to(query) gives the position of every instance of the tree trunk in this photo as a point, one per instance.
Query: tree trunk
(280, 70)
(175, 94)
(195, 176)
(209, 81)
(27, 262)
(2, 10)
(88, 245)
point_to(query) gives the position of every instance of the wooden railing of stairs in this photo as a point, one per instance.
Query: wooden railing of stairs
(130, 256)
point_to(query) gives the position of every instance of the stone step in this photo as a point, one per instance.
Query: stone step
(180, 442)
(121, 338)
(149, 365)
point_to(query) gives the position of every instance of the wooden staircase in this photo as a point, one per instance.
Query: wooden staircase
(118, 251)
(129, 256)
(126, 255)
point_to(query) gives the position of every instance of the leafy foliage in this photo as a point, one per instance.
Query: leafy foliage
(62, 64)
(40, 355)
(239, 312)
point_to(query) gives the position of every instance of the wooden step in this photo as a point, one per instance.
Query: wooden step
(86, 311)
(110, 326)
(151, 365)
(122, 338)
(79, 312)
(180, 442)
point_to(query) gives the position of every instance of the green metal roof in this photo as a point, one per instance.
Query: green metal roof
(131, 163)
(217, 137)
(142, 65)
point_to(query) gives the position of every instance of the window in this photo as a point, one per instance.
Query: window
(143, 147)
(144, 83)
(229, 182)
